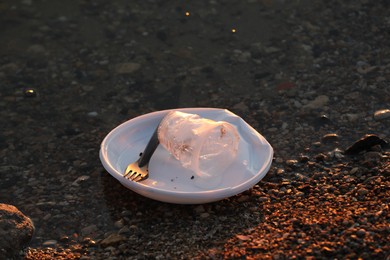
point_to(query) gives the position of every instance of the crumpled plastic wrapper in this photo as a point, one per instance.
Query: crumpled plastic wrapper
(202, 145)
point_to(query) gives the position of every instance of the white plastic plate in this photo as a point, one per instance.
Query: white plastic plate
(168, 181)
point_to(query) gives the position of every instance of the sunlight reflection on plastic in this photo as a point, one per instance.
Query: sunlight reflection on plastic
(202, 145)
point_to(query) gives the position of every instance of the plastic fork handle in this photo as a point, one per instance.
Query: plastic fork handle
(149, 149)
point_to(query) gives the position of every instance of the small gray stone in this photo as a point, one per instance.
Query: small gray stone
(10, 68)
(318, 102)
(88, 230)
(103, 62)
(241, 56)
(364, 68)
(336, 153)
(205, 215)
(199, 209)
(382, 114)
(373, 156)
(124, 230)
(49, 243)
(62, 19)
(80, 179)
(291, 162)
(112, 240)
(362, 191)
(88, 88)
(93, 114)
(354, 170)
(243, 198)
(351, 117)
(26, 2)
(127, 68)
(330, 138)
(119, 224)
(271, 49)
(36, 49)
(16, 230)
(361, 232)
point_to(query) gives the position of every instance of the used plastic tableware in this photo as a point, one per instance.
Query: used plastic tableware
(205, 146)
(169, 181)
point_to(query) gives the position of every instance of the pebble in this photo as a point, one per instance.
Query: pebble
(303, 158)
(62, 19)
(87, 88)
(382, 114)
(241, 106)
(49, 243)
(93, 114)
(112, 240)
(89, 229)
(365, 143)
(273, 129)
(362, 191)
(103, 62)
(278, 160)
(36, 49)
(297, 104)
(110, 249)
(199, 209)
(30, 92)
(364, 69)
(336, 153)
(317, 103)
(320, 157)
(271, 49)
(89, 242)
(127, 68)
(124, 230)
(133, 227)
(26, 2)
(126, 213)
(10, 68)
(241, 56)
(291, 163)
(64, 239)
(373, 156)
(351, 117)
(80, 180)
(361, 233)
(330, 138)
(119, 223)
(205, 215)
(47, 217)
(263, 199)
(354, 170)
(243, 198)
(243, 238)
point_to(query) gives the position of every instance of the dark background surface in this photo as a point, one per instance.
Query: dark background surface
(70, 71)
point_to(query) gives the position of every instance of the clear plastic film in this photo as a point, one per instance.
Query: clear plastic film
(202, 145)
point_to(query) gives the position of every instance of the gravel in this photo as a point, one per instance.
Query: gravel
(311, 76)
